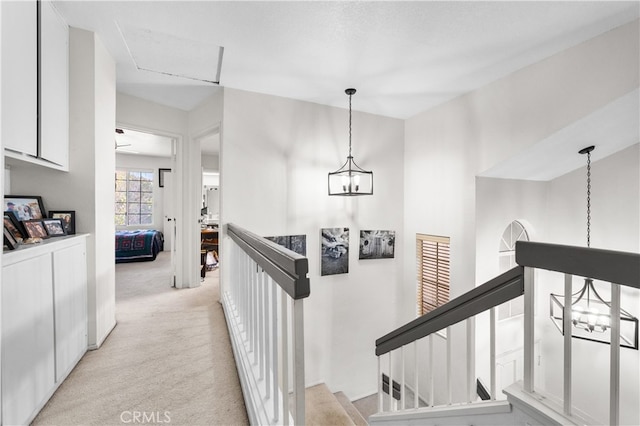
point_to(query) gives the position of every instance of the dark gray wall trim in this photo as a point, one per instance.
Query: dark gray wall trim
(613, 266)
(492, 293)
(288, 269)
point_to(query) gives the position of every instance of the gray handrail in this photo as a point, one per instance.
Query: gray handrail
(614, 266)
(288, 269)
(492, 293)
(607, 265)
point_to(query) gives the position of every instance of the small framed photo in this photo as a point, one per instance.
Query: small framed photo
(26, 207)
(54, 227)
(35, 228)
(161, 173)
(8, 240)
(68, 219)
(14, 226)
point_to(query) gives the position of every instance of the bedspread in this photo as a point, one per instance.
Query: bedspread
(137, 246)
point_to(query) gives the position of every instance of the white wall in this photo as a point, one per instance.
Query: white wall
(88, 187)
(275, 157)
(447, 146)
(152, 164)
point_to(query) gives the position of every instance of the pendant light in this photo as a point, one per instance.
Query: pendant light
(590, 313)
(350, 179)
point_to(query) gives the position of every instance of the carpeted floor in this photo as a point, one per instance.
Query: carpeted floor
(168, 360)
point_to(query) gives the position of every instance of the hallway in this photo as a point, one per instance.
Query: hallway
(168, 360)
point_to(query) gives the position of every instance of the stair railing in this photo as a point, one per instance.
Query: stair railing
(263, 305)
(618, 268)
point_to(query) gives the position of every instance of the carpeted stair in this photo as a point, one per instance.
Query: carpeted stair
(325, 408)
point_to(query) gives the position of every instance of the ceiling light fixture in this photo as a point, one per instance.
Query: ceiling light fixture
(350, 179)
(590, 313)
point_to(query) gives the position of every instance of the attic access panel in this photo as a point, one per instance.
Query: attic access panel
(174, 56)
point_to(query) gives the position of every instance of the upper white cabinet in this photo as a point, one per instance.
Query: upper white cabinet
(35, 83)
(19, 76)
(54, 86)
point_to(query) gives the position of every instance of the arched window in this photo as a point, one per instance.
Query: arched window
(515, 231)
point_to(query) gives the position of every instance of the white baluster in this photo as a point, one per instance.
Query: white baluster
(298, 362)
(492, 352)
(380, 402)
(614, 357)
(284, 341)
(391, 404)
(566, 326)
(274, 354)
(529, 334)
(402, 385)
(415, 375)
(431, 375)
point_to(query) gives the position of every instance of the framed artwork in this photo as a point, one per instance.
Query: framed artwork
(161, 173)
(14, 226)
(54, 227)
(35, 228)
(26, 207)
(68, 219)
(335, 251)
(8, 240)
(295, 243)
(377, 244)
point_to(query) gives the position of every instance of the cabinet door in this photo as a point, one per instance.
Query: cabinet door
(70, 301)
(27, 338)
(54, 86)
(19, 76)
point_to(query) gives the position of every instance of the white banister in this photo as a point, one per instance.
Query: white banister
(614, 358)
(263, 306)
(566, 326)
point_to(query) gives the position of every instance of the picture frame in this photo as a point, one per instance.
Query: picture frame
(334, 251)
(35, 228)
(12, 223)
(377, 244)
(26, 207)
(161, 173)
(8, 240)
(54, 227)
(68, 219)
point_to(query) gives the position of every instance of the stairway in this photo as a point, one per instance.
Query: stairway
(325, 408)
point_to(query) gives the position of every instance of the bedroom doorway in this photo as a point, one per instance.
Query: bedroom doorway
(147, 203)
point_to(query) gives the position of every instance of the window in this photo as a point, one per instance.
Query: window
(134, 197)
(515, 231)
(432, 253)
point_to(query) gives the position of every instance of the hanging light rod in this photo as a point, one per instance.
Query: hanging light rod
(350, 179)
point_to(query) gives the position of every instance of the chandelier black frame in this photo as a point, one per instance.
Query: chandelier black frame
(350, 179)
(590, 313)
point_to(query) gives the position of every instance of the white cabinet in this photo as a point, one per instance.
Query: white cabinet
(28, 370)
(19, 76)
(70, 304)
(54, 86)
(35, 83)
(44, 323)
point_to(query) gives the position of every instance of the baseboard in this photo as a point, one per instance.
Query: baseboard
(97, 345)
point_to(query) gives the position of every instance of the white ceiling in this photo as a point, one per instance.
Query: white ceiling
(403, 57)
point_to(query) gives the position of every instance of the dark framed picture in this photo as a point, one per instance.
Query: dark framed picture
(26, 207)
(68, 219)
(35, 228)
(8, 240)
(14, 226)
(54, 227)
(377, 244)
(295, 243)
(335, 251)
(161, 173)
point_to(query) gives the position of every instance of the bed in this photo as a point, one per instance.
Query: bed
(138, 246)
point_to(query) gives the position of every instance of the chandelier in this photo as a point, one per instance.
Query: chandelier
(590, 313)
(350, 179)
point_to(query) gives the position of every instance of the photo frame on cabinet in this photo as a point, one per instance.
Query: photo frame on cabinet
(54, 227)
(8, 240)
(14, 226)
(35, 228)
(26, 207)
(68, 219)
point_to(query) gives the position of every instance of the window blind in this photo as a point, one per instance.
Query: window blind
(433, 260)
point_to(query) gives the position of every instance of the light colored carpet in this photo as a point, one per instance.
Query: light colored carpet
(168, 360)
(351, 410)
(323, 409)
